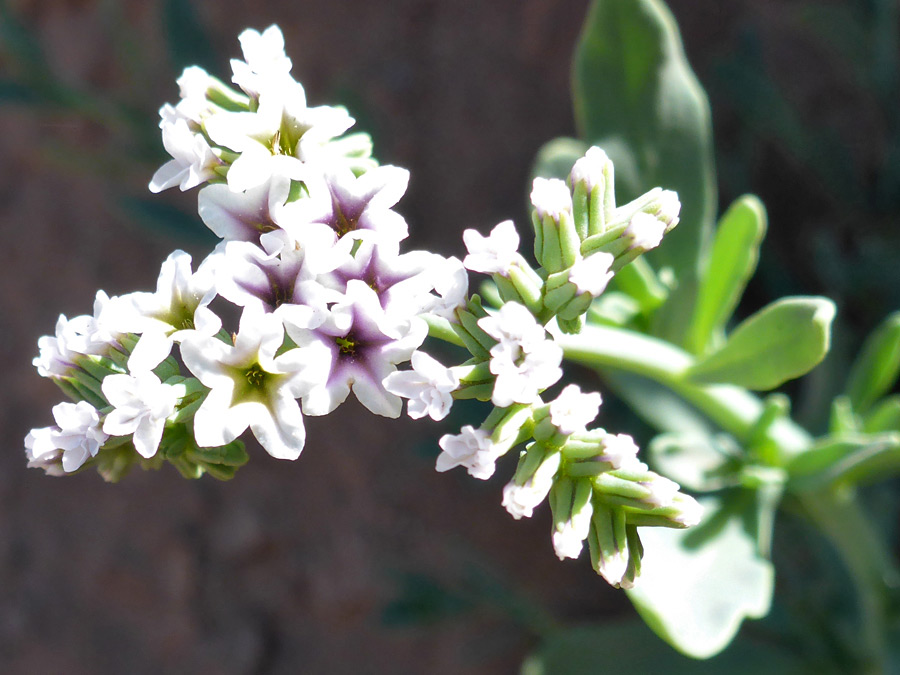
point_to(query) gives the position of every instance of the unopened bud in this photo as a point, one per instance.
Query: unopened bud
(556, 241)
(593, 192)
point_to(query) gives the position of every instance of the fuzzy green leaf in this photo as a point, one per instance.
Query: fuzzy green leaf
(782, 341)
(696, 586)
(732, 261)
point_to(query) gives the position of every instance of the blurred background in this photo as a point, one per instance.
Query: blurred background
(359, 557)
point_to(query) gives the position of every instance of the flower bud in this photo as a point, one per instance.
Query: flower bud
(608, 542)
(570, 502)
(556, 242)
(534, 477)
(593, 192)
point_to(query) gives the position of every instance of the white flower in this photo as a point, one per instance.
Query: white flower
(591, 275)
(620, 450)
(521, 500)
(572, 411)
(193, 84)
(264, 59)
(428, 386)
(493, 254)
(97, 333)
(473, 449)
(141, 405)
(56, 358)
(76, 438)
(178, 308)
(569, 536)
(644, 231)
(590, 168)
(282, 130)
(193, 160)
(451, 283)
(524, 360)
(359, 345)
(550, 197)
(251, 386)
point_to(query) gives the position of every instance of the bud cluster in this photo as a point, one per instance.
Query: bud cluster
(329, 306)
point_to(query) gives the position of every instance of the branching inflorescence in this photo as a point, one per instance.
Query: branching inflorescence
(310, 253)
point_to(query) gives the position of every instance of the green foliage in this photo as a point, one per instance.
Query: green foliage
(784, 340)
(877, 366)
(731, 263)
(636, 96)
(698, 585)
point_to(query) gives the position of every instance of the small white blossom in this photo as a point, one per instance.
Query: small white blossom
(264, 59)
(471, 448)
(193, 160)
(591, 275)
(550, 197)
(572, 410)
(620, 450)
(95, 334)
(521, 500)
(451, 283)
(141, 405)
(590, 168)
(76, 438)
(56, 358)
(524, 360)
(644, 231)
(569, 536)
(428, 386)
(252, 387)
(493, 254)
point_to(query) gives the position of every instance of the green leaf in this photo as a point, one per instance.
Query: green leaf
(846, 458)
(629, 647)
(877, 366)
(632, 85)
(783, 340)
(883, 417)
(732, 261)
(556, 158)
(694, 590)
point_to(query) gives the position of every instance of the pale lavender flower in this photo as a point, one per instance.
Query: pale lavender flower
(252, 387)
(428, 386)
(141, 405)
(471, 448)
(359, 206)
(572, 410)
(76, 438)
(360, 345)
(493, 254)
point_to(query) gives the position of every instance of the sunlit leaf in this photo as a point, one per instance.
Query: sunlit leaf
(696, 588)
(730, 265)
(782, 341)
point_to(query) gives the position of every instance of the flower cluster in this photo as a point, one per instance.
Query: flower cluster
(310, 260)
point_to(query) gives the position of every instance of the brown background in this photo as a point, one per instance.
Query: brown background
(291, 567)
